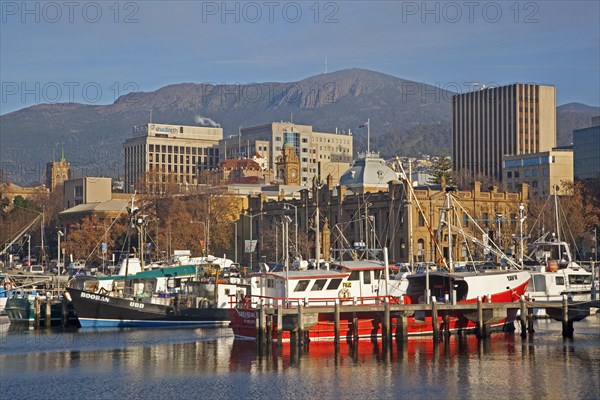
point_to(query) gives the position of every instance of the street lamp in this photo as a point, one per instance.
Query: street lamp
(59, 234)
(286, 206)
(499, 220)
(521, 219)
(252, 247)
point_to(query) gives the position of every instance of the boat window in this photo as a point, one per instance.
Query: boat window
(334, 284)
(367, 277)
(354, 276)
(270, 283)
(302, 285)
(376, 274)
(319, 284)
(560, 280)
(580, 279)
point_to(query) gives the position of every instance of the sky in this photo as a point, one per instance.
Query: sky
(94, 51)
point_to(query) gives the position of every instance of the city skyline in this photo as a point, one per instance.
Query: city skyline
(93, 52)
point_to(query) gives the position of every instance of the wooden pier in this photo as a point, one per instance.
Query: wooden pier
(483, 314)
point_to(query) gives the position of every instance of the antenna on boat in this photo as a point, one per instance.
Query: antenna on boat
(555, 187)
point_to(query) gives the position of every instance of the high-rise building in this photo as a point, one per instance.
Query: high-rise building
(586, 151)
(164, 155)
(507, 120)
(320, 153)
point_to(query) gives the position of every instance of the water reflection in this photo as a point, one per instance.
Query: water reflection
(208, 363)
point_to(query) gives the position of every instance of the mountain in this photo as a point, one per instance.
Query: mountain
(406, 118)
(572, 116)
(92, 135)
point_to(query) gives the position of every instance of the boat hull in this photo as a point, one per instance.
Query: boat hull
(100, 311)
(369, 324)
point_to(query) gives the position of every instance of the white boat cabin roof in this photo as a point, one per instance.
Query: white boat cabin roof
(307, 274)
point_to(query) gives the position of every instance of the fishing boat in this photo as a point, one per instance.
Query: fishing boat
(365, 283)
(555, 274)
(172, 296)
(21, 309)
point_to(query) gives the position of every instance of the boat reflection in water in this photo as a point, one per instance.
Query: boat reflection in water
(208, 363)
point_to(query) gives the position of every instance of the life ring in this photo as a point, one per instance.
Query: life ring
(344, 294)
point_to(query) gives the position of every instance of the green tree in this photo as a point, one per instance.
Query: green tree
(441, 170)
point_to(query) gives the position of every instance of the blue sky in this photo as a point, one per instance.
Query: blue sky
(93, 51)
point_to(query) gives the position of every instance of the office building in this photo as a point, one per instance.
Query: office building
(508, 120)
(320, 153)
(586, 151)
(169, 155)
(541, 171)
(86, 190)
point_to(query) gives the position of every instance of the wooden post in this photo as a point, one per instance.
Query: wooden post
(479, 317)
(65, 312)
(279, 323)
(446, 324)
(300, 323)
(567, 326)
(530, 320)
(401, 329)
(386, 332)
(36, 311)
(523, 316)
(48, 323)
(355, 328)
(434, 318)
(336, 321)
(260, 325)
(269, 328)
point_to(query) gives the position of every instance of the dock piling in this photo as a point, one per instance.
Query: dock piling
(523, 316)
(386, 333)
(434, 319)
(479, 317)
(48, 320)
(336, 321)
(567, 326)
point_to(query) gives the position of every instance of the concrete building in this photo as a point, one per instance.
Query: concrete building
(586, 151)
(162, 155)
(508, 120)
(541, 171)
(320, 153)
(86, 190)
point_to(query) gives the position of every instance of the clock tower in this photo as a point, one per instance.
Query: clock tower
(288, 165)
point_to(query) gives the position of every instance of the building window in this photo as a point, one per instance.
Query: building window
(278, 138)
(509, 174)
(78, 191)
(421, 220)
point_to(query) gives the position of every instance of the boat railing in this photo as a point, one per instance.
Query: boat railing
(256, 301)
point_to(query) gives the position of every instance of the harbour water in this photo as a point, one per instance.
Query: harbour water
(209, 364)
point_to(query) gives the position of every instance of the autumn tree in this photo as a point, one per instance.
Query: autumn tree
(578, 215)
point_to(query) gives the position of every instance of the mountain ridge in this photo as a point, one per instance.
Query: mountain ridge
(407, 117)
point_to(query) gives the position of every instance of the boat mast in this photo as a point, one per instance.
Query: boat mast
(410, 219)
(556, 213)
(448, 217)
